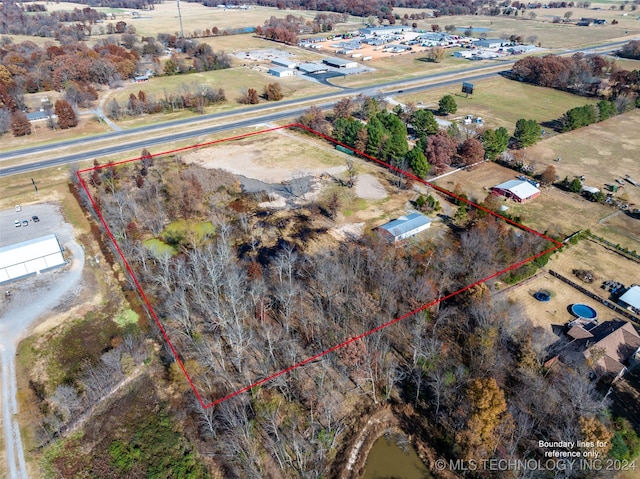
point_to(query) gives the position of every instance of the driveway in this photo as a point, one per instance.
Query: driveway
(31, 299)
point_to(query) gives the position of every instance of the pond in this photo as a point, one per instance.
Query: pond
(393, 457)
(473, 29)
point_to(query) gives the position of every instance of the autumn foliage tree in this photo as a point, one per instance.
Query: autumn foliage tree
(471, 152)
(20, 125)
(488, 419)
(273, 92)
(66, 116)
(250, 97)
(440, 150)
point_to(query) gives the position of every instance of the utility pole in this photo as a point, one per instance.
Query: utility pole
(180, 16)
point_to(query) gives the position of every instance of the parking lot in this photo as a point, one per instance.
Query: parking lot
(50, 222)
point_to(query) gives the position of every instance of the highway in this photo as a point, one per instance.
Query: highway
(258, 114)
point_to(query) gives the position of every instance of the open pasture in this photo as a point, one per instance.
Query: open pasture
(502, 102)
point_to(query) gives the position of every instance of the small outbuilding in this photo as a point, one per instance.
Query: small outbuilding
(631, 298)
(30, 257)
(404, 227)
(518, 190)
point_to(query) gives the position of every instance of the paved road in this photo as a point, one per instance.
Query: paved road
(119, 146)
(259, 117)
(24, 308)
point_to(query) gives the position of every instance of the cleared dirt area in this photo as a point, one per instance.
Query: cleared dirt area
(267, 158)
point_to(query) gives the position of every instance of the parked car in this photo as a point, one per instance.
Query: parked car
(17, 224)
(18, 208)
(25, 223)
(35, 219)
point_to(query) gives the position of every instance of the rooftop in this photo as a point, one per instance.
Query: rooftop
(632, 297)
(520, 188)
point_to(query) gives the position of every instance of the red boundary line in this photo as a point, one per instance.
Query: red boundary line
(556, 243)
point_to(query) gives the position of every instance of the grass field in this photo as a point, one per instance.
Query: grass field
(502, 102)
(234, 81)
(556, 211)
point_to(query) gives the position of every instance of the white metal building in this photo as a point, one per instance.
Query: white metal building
(30, 257)
(404, 227)
(281, 72)
(340, 63)
(631, 297)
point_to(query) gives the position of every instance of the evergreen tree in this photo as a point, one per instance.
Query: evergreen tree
(424, 123)
(495, 142)
(606, 109)
(375, 134)
(447, 104)
(418, 162)
(527, 132)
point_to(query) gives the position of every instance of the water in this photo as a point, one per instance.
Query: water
(473, 30)
(387, 460)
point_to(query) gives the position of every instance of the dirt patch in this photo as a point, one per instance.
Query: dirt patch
(269, 160)
(369, 187)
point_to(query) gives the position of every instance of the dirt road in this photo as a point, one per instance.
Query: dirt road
(27, 305)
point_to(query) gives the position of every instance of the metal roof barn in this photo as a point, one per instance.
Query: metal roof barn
(30, 257)
(404, 227)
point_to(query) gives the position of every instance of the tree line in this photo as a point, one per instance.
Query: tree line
(588, 75)
(193, 97)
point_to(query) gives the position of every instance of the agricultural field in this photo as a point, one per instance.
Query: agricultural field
(502, 102)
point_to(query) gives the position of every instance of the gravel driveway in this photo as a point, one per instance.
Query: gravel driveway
(31, 299)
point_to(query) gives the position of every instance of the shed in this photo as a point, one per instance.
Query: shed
(518, 190)
(340, 63)
(631, 297)
(30, 257)
(280, 72)
(404, 227)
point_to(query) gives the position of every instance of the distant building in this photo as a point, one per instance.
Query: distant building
(404, 227)
(340, 63)
(283, 62)
(386, 30)
(141, 78)
(518, 190)
(30, 257)
(311, 68)
(489, 43)
(281, 72)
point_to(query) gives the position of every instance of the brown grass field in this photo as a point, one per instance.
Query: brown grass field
(602, 153)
